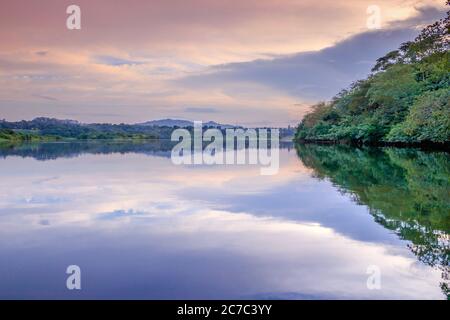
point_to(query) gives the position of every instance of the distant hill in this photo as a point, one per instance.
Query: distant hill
(50, 128)
(55, 129)
(184, 123)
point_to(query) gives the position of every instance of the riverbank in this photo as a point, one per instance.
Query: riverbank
(15, 136)
(11, 136)
(445, 146)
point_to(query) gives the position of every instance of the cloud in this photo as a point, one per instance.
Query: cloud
(317, 74)
(115, 61)
(41, 53)
(156, 59)
(44, 97)
(200, 110)
(205, 31)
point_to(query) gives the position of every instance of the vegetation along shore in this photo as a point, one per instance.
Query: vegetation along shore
(404, 101)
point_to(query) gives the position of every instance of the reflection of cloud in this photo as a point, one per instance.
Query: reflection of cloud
(44, 222)
(119, 214)
(136, 205)
(42, 200)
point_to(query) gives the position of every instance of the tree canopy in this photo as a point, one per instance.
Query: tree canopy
(406, 98)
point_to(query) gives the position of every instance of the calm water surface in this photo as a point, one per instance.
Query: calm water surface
(140, 227)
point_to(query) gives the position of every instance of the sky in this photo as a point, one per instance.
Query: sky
(248, 62)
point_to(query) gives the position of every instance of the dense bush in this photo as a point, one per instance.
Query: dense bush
(428, 119)
(48, 128)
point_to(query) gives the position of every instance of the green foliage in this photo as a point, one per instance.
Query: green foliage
(51, 129)
(392, 92)
(8, 135)
(428, 119)
(406, 100)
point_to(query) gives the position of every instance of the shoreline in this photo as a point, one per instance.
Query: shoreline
(432, 146)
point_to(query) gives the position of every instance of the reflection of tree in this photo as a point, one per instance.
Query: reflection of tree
(54, 150)
(406, 190)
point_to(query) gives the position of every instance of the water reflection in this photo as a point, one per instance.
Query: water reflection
(406, 190)
(54, 150)
(140, 227)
